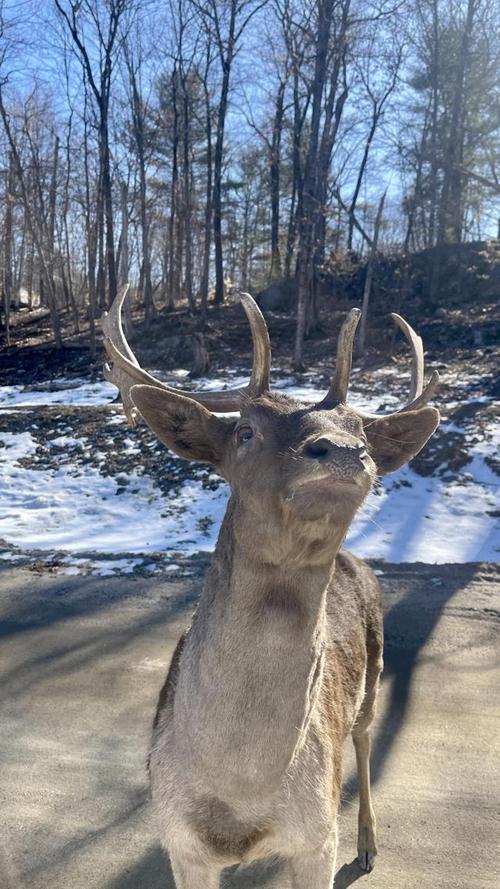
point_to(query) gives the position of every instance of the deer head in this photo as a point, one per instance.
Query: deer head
(296, 471)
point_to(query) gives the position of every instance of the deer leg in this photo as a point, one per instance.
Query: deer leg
(191, 874)
(367, 841)
(316, 870)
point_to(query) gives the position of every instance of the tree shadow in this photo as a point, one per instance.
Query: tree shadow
(408, 625)
(152, 871)
(57, 603)
(57, 637)
(55, 598)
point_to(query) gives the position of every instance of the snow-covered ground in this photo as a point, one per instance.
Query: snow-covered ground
(86, 517)
(76, 392)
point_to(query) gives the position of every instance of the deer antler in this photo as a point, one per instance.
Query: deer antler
(124, 371)
(337, 393)
(417, 352)
(418, 394)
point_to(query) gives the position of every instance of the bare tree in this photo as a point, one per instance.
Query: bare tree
(451, 211)
(226, 24)
(104, 19)
(138, 114)
(295, 29)
(369, 275)
(207, 240)
(7, 277)
(322, 36)
(39, 223)
(378, 94)
(274, 176)
(452, 128)
(64, 238)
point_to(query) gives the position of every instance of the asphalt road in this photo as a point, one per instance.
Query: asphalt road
(82, 660)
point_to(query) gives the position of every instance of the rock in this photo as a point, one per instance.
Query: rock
(279, 296)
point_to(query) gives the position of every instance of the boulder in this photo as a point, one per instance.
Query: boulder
(279, 296)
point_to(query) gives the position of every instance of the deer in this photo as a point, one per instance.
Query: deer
(282, 659)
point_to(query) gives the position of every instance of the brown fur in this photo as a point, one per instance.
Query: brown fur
(355, 642)
(220, 830)
(281, 601)
(283, 657)
(168, 688)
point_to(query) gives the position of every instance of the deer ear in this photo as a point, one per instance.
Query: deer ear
(182, 425)
(395, 439)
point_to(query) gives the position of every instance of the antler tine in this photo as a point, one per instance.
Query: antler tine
(425, 396)
(124, 370)
(417, 354)
(337, 392)
(112, 329)
(418, 394)
(260, 381)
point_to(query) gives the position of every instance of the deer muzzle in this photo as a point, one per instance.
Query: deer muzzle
(340, 460)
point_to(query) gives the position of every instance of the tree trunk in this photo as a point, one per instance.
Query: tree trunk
(332, 116)
(146, 287)
(219, 153)
(433, 179)
(205, 268)
(201, 358)
(30, 271)
(52, 218)
(123, 266)
(451, 211)
(19, 268)
(35, 233)
(108, 204)
(101, 270)
(297, 178)
(309, 203)
(359, 180)
(217, 197)
(68, 279)
(7, 248)
(91, 233)
(172, 287)
(186, 173)
(369, 275)
(274, 177)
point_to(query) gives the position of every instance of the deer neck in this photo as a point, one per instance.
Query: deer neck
(249, 673)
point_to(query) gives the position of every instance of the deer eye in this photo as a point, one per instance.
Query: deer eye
(244, 434)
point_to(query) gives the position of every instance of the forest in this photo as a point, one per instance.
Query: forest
(195, 148)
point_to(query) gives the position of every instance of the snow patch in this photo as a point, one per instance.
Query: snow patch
(75, 392)
(74, 509)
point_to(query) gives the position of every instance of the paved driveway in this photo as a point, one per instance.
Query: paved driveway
(82, 660)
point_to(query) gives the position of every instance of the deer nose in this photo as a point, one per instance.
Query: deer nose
(324, 449)
(320, 449)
